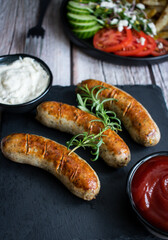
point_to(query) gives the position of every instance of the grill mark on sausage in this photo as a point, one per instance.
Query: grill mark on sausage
(102, 84)
(61, 164)
(60, 110)
(45, 150)
(111, 95)
(115, 95)
(50, 111)
(76, 114)
(95, 127)
(113, 91)
(74, 173)
(128, 107)
(87, 125)
(27, 147)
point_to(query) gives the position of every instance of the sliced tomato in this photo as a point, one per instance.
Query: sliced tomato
(161, 47)
(149, 48)
(135, 46)
(111, 40)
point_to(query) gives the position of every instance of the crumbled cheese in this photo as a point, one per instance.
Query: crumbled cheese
(107, 4)
(122, 24)
(133, 19)
(127, 13)
(142, 41)
(152, 27)
(114, 21)
(140, 6)
(129, 26)
(144, 21)
(118, 10)
(160, 45)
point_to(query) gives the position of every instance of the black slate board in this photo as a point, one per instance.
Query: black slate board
(35, 205)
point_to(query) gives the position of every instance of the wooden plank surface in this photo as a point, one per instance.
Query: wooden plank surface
(160, 73)
(17, 17)
(8, 16)
(68, 63)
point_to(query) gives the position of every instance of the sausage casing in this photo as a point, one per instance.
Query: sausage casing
(70, 119)
(135, 118)
(75, 173)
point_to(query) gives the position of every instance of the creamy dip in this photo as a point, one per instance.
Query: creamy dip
(22, 81)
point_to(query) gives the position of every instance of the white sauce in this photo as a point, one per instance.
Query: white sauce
(22, 81)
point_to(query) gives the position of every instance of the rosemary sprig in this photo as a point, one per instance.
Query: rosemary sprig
(90, 102)
(88, 99)
(86, 140)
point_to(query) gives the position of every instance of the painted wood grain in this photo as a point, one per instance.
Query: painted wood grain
(56, 50)
(23, 22)
(17, 17)
(8, 16)
(160, 74)
(123, 75)
(68, 63)
(85, 67)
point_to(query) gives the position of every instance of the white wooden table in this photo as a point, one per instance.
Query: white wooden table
(68, 63)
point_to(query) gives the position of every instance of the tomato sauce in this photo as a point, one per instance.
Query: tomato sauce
(150, 191)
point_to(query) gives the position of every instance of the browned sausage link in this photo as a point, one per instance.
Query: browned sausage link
(75, 173)
(70, 119)
(133, 115)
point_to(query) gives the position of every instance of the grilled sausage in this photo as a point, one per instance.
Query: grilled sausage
(133, 115)
(75, 173)
(70, 119)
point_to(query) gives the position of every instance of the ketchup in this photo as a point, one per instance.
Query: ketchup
(150, 191)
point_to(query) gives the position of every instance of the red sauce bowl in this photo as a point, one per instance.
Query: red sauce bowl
(147, 189)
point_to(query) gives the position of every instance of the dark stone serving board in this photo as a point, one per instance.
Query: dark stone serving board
(35, 205)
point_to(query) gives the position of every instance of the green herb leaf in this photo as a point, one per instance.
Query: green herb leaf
(90, 102)
(86, 140)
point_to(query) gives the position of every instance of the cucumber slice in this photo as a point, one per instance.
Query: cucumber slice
(86, 33)
(78, 5)
(80, 18)
(85, 1)
(82, 1)
(82, 25)
(77, 11)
